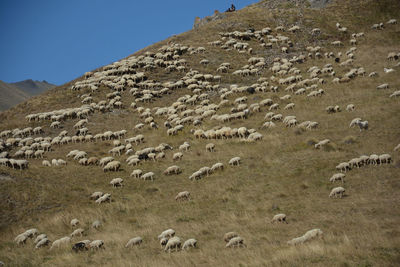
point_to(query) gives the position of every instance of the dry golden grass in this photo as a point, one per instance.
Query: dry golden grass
(283, 173)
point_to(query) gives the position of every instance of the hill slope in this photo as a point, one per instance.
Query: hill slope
(282, 173)
(33, 87)
(10, 95)
(15, 93)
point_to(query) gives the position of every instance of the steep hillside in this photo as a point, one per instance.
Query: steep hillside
(179, 90)
(12, 94)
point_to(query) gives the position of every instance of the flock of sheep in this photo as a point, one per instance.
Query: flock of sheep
(189, 112)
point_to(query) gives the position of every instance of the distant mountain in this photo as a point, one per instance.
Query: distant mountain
(33, 87)
(12, 94)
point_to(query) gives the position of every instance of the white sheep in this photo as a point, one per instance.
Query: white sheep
(39, 237)
(350, 107)
(190, 243)
(96, 195)
(77, 232)
(383, 86)
(322, 143)
(167, 233)
(395, 94)
(60, 242)
(279, 218)
(42, 243)
(385, 158)
(337, 191)
(46, 163)
(104, 198)
(112, 166)
(217, 166)
(184, 195)
(96, 244)
(235, 242)
(136, 173)
(228, 236)
(235, 161)
(177, 156)
(96, 224)
(337, 177)
(172, 169)
(148, 176)
(136, 241)
(116, 182)
(210, 147)
(306, 237)
(343, 167)
(74, 222)
(174, 242)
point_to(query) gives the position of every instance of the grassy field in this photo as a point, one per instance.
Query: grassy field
(283, 173)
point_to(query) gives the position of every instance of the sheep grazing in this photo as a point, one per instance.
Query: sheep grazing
(322, 143)
(116, 182)
(190, 243)
(74, 222)
(185, 195)
(21, 239)
(350, 107)
(167, 233)
(60, 242)
(235, 161)
(217, 166)
(148, 176)
(279, 218)
(39, 237)
(77, 232)
(96, 224)
(112, 166)
(383, 86)
(228, 236)
(177, 156)
(337, 192)
(104, 198)
(235, 242)
(343, 167)
(332, 109)
(96, 244)
(306, 237)
(96, 195)
(42, 243)
(173, 243)
(337, 177)
(172, 170)
(210, 147)
(136, 241)
(385, 158)
(137, 173)
(395, 94)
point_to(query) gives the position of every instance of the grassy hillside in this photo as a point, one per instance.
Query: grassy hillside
(282, 173)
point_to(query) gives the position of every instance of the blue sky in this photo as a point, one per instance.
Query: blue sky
(58, 40)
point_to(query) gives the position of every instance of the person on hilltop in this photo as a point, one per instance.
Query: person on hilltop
(231, 9)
